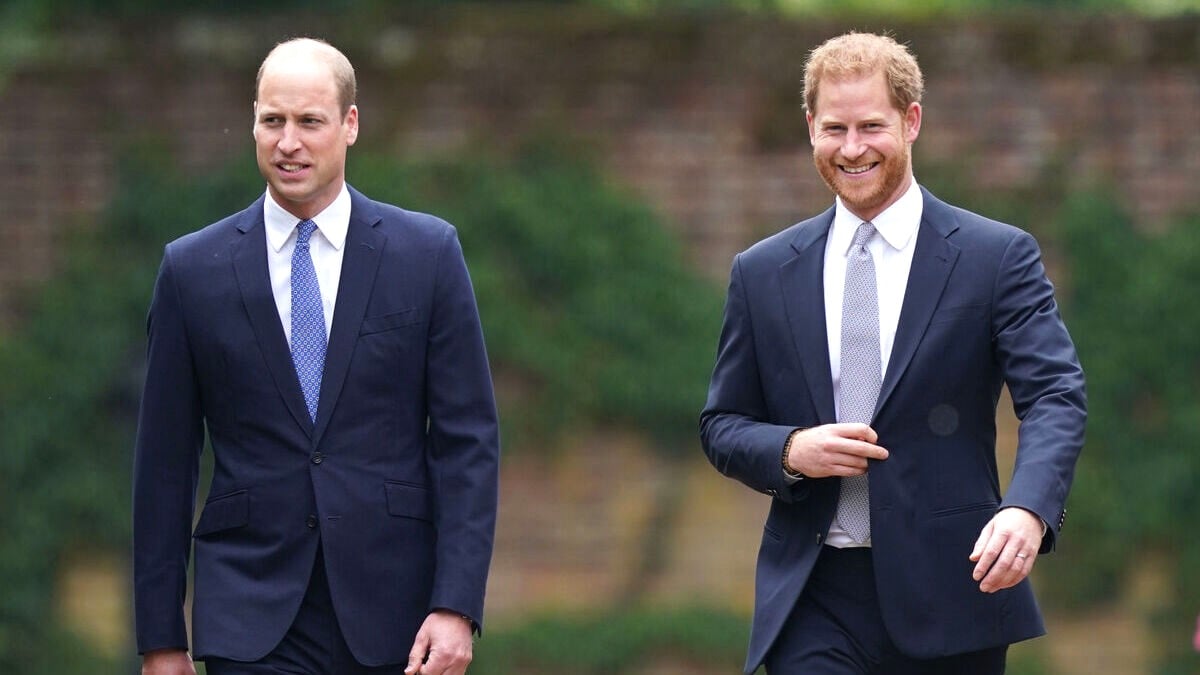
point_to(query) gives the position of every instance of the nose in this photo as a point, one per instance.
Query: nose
(289, 141)
(852, 145)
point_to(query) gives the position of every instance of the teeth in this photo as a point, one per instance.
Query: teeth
(860, 169)
(290, 167)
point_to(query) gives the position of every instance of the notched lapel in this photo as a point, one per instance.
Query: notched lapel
(933, 260)
(360, 262)
(249, 255)
(802, 285)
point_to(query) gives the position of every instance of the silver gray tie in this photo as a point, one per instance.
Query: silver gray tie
(861, 372)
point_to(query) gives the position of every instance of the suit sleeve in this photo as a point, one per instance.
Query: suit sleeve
(1046, 382)
(464, 439)
(735, 428)
(170, 436)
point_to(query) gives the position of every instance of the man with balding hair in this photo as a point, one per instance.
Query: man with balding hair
(331, 348)
(857, 377)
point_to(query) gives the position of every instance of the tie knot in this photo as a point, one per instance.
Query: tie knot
(863, 234)
(304, 230)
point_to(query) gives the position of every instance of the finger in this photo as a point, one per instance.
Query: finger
(861, 450)
(416, 655)
(1009, 570)
(989, 556)
(854, 454)
(982, 541)
(444, 662)
(848, 465)
(854, 431)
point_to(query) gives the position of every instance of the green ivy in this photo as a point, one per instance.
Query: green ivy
(1134, 312)
(618, 641)
(68, 407)
(591, 315)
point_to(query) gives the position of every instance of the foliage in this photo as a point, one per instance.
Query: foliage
(618, 641)
(1135, 318)
(67, 405)
(590, 314)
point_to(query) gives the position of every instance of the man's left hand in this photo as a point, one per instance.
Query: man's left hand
(442, 647)
(1006, 549)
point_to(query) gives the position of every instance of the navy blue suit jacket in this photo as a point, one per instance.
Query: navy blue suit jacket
(978, 313)
(396, 481)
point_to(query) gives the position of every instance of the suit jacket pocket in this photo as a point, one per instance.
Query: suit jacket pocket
(385, 322)
(224, 512)
(945, 314)
(965, 508)
(408, 500)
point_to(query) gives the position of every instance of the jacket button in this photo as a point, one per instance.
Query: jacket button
(317, 458)
(312, 522)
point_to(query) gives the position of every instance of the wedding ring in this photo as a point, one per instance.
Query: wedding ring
(1022, 555)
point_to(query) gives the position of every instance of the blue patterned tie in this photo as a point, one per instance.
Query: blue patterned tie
(861, 372)
(308, 319)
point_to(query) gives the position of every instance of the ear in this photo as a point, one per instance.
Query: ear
(808, 117)
(912, 122)
(351, 125)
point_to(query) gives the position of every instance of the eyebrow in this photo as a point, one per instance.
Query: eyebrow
(266, 112)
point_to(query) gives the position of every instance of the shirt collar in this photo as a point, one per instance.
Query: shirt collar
(896, 225)
(332, 223)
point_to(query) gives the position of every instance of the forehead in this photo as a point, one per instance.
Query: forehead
(290, 82)
(855, 94)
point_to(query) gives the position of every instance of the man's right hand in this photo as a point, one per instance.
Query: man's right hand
(167, 662)
(834, 450)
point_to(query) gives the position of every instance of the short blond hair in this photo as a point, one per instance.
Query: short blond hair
(339, 67)
(862, 54)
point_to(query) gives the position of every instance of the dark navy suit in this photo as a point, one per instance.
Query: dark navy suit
(395, 484)
(978, 313)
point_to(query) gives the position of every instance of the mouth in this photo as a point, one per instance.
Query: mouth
(857, 170)
(290, 168)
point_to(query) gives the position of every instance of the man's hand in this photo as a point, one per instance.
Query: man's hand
(442, 647)
(167, 662)
(1006, 549)
(834, 450)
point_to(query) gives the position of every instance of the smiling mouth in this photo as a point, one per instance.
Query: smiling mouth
(856, 170)
(288, 167)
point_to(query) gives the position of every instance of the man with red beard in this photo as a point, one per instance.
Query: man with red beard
(858, 373)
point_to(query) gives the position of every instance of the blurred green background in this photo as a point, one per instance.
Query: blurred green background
(603, 161)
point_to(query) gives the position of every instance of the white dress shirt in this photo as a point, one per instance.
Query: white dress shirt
(892, 250)
(326, 246)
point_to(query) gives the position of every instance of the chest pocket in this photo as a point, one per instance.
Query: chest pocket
(393, 321)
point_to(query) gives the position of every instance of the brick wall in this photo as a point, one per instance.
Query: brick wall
(700, 116)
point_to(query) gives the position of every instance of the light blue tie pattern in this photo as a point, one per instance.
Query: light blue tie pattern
(308, 319)
(861, 372)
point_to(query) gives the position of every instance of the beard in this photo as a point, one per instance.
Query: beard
(867, 197)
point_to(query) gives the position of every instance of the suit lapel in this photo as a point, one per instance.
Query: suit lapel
(360, 261)
(249, 257)
(802, 285)
(933, 260)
